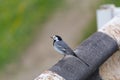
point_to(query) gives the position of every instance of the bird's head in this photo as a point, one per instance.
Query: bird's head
(56, 38)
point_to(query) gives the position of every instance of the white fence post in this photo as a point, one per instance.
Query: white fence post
(106, 13)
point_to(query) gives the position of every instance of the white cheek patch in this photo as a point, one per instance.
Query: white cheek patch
(55, 38)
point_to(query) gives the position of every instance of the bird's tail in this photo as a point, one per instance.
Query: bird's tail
(81, 59)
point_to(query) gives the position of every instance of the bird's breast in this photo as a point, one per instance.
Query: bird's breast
(58, 50)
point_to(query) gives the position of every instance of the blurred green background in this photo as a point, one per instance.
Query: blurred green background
(21, 20)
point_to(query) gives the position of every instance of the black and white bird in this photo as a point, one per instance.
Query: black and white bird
(61, 47)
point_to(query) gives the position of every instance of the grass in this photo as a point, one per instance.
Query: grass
(116, 2)
(19, 19)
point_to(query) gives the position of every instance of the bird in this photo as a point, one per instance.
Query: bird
(61, 47)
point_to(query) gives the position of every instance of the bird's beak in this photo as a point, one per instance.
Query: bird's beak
(51, 37)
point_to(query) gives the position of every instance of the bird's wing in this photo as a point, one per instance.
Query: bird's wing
(64, 47)
(61, 47)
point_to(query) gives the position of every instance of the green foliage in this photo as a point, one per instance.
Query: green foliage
(18, 21)
(116, 2)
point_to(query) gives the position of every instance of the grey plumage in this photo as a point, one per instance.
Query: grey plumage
(61, 47)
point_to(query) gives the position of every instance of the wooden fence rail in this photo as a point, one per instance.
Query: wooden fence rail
(95, 51)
